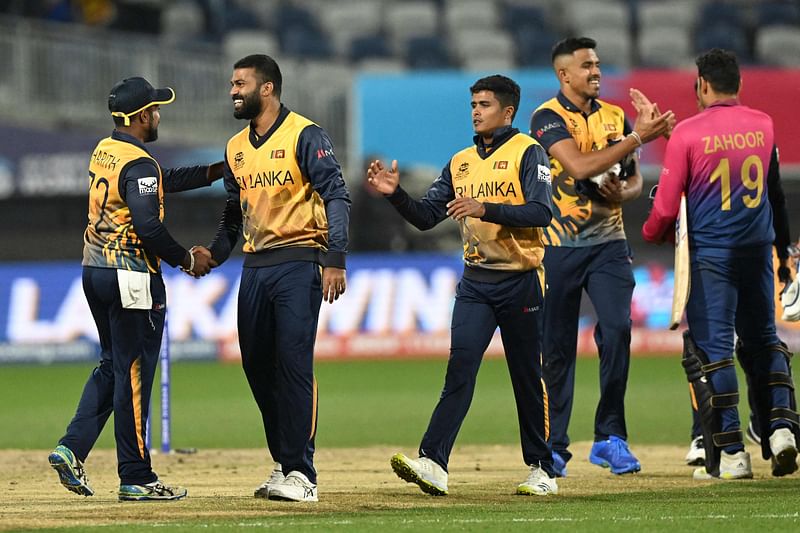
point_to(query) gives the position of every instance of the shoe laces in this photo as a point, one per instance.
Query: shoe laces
(619, 449)
(297, 481)
(425, 464)
(276, 476)
(79, 471)
(157, 487)
(536, 474)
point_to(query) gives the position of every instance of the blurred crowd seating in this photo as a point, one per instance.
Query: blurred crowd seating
(471, 34)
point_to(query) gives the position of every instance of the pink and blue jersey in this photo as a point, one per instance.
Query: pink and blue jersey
(720, 158)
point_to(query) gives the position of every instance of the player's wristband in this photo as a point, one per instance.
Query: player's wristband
(636, 137)
(190, 270)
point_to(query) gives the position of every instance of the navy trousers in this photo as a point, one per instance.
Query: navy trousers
(278, 313)
(130, 340)
(515, 305)
(735, 295)
(604, 271)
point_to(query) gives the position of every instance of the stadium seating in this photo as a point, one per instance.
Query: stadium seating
(729, 37)
(655, 13)
(182, 22)
(591, 15)
(427, 53)
(393, 33)
(369, 47)
(614, 49)
(779, 46)
(665, 47)
(475, 49)
(240, 43)
(407, 20)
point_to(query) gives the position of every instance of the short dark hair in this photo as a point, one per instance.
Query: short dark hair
(570, 44)
(505, 90)
(266, 69)
(720, 69)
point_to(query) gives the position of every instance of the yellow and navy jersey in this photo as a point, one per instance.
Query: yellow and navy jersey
(512, 179)
(110, 240)
(578, 219)
(286, 195)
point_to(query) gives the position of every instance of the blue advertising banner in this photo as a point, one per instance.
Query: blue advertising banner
(396, 305)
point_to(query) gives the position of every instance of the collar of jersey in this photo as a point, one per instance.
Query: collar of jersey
(499, 137)
(569, 106)
(256, 141)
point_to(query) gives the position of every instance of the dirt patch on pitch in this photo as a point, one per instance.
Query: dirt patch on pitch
(221, 483)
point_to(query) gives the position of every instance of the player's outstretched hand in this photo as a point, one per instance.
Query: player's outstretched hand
(650, 122)
(334, 283)
(382, 179)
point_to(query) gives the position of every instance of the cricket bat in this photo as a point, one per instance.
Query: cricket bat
(682, 278)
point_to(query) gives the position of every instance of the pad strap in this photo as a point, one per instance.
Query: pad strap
(713, 367)
(780, 379)
(722, 401)
(727, 438)
(780, 413)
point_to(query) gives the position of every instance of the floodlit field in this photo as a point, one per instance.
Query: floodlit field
(369, 410)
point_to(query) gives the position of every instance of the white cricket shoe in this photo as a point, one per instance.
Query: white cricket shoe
(784, 452)
(538, 483)
(731, 466)
(275, 477)
(696, 455)
(295, 488)
(430, 477)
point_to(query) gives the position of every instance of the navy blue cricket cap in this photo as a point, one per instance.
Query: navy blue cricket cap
(134, 95)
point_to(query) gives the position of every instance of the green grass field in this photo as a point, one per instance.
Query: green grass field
(362, 403)
(368, 409)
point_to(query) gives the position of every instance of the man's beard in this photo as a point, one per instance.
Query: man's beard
(251, 107)
(152, 134)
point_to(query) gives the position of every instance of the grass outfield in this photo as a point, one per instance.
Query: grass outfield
(362, 403)
(369, 410)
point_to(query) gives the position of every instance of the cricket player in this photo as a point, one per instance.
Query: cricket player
(721, 160)
(499, 192)
(593, 154)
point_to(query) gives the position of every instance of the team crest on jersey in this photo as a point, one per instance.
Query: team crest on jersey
(277, 154)
(500, 165)
(238, 160)
(463, 171)
(574, 128)
(543, 174)
(148, 186)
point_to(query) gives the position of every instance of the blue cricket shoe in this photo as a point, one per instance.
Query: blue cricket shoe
(614, 454)
(559, 465)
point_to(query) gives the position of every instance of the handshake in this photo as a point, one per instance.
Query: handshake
(198, 262)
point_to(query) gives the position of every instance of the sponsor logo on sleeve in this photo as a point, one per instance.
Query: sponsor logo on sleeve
(322, 153)
(547, 127)
(148, 186)
(543, 174)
